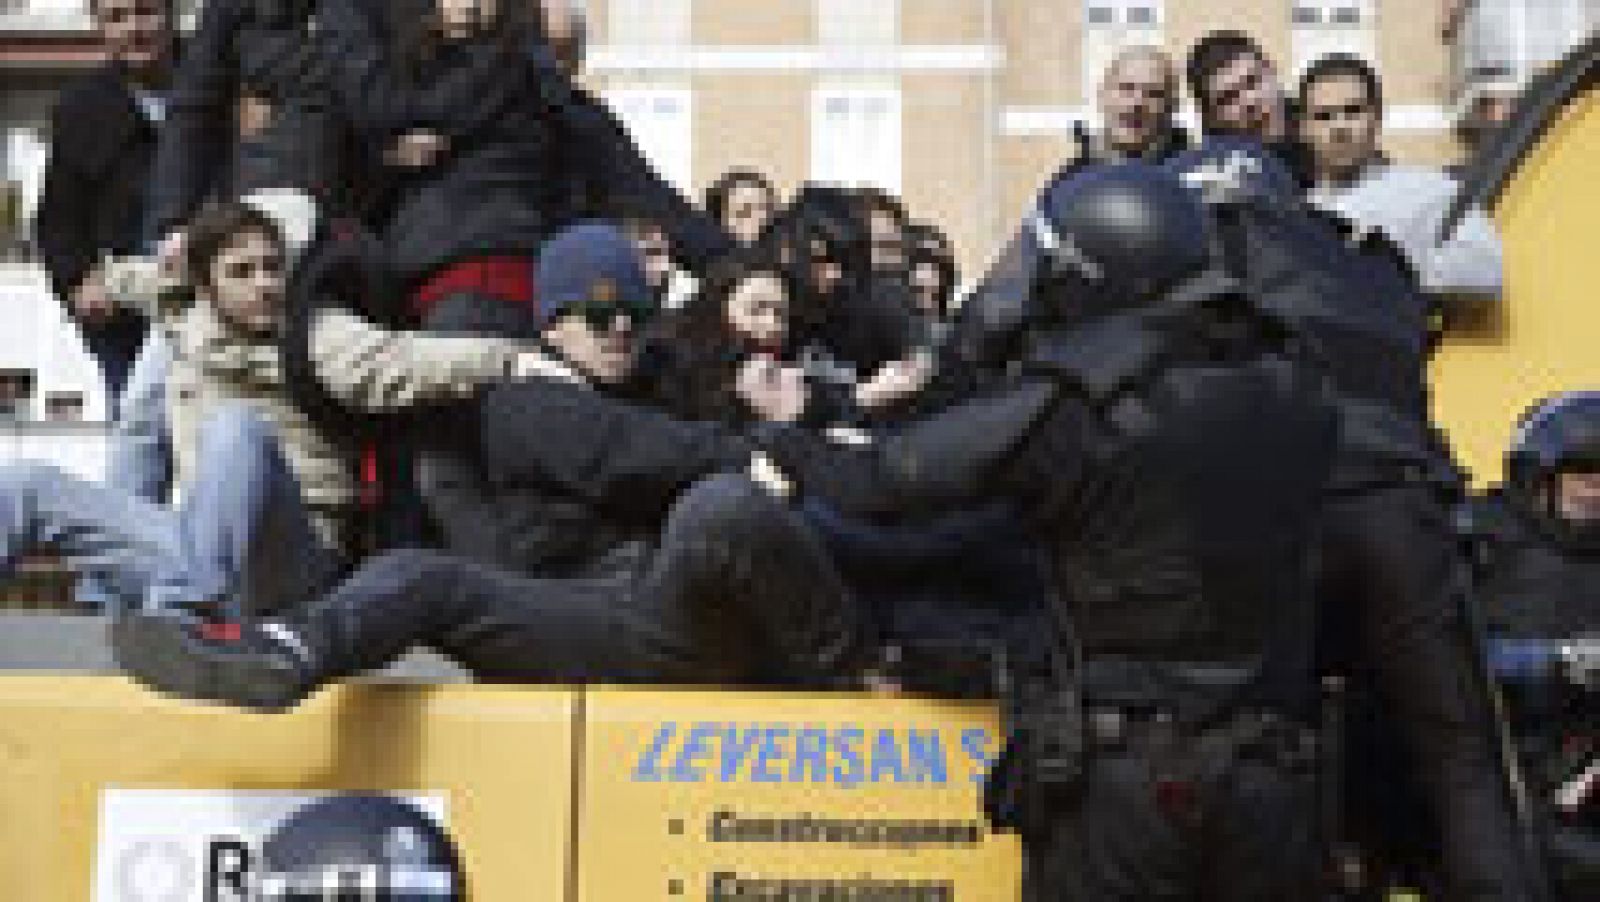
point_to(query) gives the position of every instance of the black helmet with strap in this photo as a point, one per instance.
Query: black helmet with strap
(1560, 434)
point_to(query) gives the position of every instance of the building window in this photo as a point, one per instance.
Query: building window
(855, 136)
(64, 407)
(1111, 26)
(1122, 13)
(16, 395)
(858, 23)
(661, 121)
(1345, 13)
(636, 23)
(1322, 27)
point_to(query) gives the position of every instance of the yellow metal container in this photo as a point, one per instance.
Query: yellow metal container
(748, 796)
(499, 762)
(1545, 337)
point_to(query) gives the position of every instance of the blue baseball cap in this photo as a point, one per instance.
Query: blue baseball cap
(591, 263)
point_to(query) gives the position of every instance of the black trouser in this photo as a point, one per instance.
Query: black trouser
(737, 592)
(1136, 831)
(1392, 597)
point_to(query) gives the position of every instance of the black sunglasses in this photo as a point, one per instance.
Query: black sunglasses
(599, 315)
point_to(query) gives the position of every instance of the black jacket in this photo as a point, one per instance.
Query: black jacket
(1540, 588)
(578, 483)
(1186, 542)
(604, 170)
(261, 49)
(94, 201)
(1177, 511)
(1533, 583)
(529, 152)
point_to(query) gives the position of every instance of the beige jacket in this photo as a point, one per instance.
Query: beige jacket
(377, 370)
(367, 367)
(213, 366)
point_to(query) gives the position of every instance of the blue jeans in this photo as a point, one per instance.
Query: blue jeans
(140, 453)
(140, 460)
(242, 539)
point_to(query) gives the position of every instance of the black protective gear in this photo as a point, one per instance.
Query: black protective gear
(988, 327)
(1541, 594)
(1173, 461)
(1393, 578)
(1113, 238)
(1351, 297)
(1559, 434)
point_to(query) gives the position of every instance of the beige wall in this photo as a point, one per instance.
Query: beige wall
(947, 169)
(758, 22)
(943, 21)
(1412, 57)
(1041, 66)
(958, 169)
(758, 120)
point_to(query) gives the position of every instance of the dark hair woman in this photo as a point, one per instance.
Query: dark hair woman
(453, 101)
(742, 310)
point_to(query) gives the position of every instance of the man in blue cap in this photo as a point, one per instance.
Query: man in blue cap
(594, 542)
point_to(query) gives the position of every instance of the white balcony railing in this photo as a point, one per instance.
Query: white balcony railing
(67, 16)
(45, 15)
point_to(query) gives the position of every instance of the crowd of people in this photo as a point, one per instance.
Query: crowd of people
(412, 346)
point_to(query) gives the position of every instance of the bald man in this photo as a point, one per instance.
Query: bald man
(1136, 98)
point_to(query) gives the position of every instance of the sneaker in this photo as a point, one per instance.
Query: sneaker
(260, 665)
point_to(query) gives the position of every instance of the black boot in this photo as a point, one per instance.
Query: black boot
(260, 665)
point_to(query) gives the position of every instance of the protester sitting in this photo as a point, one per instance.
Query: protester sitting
(887, 228)
(252, 107)
(932, 273)
(844, 331)
(743, 313)
(742, 310)
(667, 284)
(744, 202)
(267, 500)
(636, 565)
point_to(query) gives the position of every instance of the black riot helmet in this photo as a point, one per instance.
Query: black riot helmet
(360, 845)
(1560, 434)
(1113, 239)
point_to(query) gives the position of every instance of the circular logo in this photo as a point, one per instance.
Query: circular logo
(359, 846)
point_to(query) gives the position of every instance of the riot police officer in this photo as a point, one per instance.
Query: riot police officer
(1536, 550)
(1170, 450)
(1398, 616)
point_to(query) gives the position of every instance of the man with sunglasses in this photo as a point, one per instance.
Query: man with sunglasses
(621, 560)
(1341, 103)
